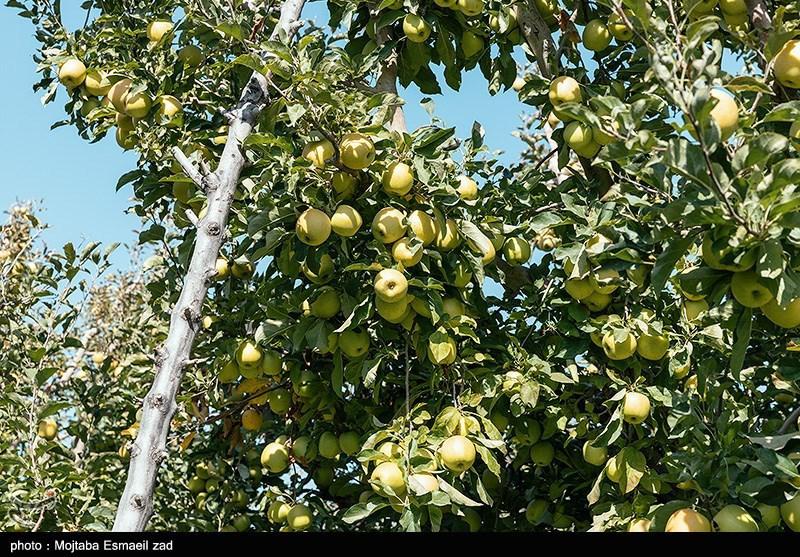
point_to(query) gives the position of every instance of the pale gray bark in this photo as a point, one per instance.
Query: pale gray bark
(538, 37)
(149, 449)
(387, 81)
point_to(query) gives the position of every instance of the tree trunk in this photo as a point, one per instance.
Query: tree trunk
(149, 449)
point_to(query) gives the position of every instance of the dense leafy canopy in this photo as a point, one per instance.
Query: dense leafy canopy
(403, 332)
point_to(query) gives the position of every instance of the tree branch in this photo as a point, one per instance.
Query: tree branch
(790, 420)
(149, 449)
(537, 36)
(387, 81)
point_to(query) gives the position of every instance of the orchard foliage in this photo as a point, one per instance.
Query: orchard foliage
(403, 333)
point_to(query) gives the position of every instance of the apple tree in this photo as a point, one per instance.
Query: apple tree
(374, 327)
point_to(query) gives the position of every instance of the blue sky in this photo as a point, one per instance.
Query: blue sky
(75, 181)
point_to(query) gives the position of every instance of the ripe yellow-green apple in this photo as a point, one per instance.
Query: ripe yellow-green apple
(448, 237)
(96, 83)
(241, 268)
(125, 139)
(423, 483)
(786, 64)
(251, 419)
(770, 515)
(614, 468)
(393, 312)
(328, 445)
(270, 363)
(596, 456)
(578, 288)
(277, 512)
(72, 73)
(354, 343)
(319, 152)
(519, 84)
(598, 243)
(725, 113)
(398, 178)
(471, 44)
(635, 408)
(323, 273)
(388, 474)
(402, 252)
(344, 184)
(138, 104)
(388, 226)
(577, 135)
(196, 485)
(687, 520)
(423, 226)
(589, 150)
(248, 355)
(601, 321)
(733, 7)
(547, 240)
(552, 120)
(190, 55)
(392, 450)
(241, 523)
(303, 448)
(733, 518)
(327, 304)
(349, 443)
(542, 453)
(313, 227)
(275, 457)
(697, 8)
(457, 453)
(618, 28)
(639, 525)
(462, 274)
(229, 372)
(453, 307)
(47, 429)
(169, 107)
(442, 353)
(481, 245)
(346, 221)
(516, 250)
(157, 29)
(416, 29)
(420, 307)
(221, 269)
(652, 346)
(125, 123)
(299, 518)
(356, 151)
(118, 93)
(88, 106)
(390, 285)
(596, 36)
(742, 261)
(692, 310)
(208, 321)
(749, 290)
(605, 280)
(564, 89)
(467, 188)
(535, 510)
(280, 400)
(445, 3)
(470, 8)
(787, 316)
(790, 512)
(597, 301)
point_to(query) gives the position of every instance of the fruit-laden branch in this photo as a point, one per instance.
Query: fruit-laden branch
(538, 37)
(387, 81)
(149, 449)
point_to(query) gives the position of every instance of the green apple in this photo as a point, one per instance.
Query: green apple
(687, 520)
(72, 73)
(470, 8)
(790, 512)
(328, 445)
(733, 518)
(618, 28)
(564, 89)
(578, 135)
(388, 474)
(467, 188)
(356, 151)
(248, 355)
(354, 343)
(323, 273)
(278, 512)
(542, 453)
(787, 316)
(448, 238)
(138, 105)
(536, 510)
(770, 515)
(416, 29)
(619, 348)
(457, 453)
(97, 83)
(275, 457)
(157, 29)
(190, 55)
(390, 285)
(299, 518)
(398, 178)
(442, 353)
(516, 250)
(229, 373)
(596, 456)
(597, 301)
(423, 226)
(389, 225)
(605, 280)
(748, 289)
(402, 252)
(423, 483)
(639, 525)
(319, 152)
(600, 322)
(652, 346)
(579, 288)
(280, 400)
(635, 408)
(596, 36)
(327, 304)
(349, 443)
(313, 227)
(346, 221)
(786, 65)
(471, 44)
(344, 184)
(693, 310)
